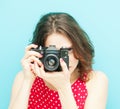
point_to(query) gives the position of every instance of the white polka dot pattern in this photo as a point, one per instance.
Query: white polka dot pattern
(41, 97)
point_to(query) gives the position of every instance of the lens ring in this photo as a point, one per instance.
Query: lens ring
(47, 62)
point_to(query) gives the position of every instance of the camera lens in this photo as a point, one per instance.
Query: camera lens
(51, 62)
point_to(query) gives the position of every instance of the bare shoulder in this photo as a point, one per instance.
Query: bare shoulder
(97, 88)
(17, 81)
(97, 79)
(98, 76)
(20, 74)
(19, 77)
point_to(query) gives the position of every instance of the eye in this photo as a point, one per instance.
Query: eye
(70, 50)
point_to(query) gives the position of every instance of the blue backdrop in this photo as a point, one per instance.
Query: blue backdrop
(99, 18)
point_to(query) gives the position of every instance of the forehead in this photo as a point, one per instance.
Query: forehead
(59, 40)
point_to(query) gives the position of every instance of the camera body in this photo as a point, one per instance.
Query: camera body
(51, 57)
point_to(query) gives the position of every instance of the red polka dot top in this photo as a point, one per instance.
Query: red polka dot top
(41, 97)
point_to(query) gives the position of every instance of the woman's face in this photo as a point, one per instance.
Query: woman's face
(59, 41)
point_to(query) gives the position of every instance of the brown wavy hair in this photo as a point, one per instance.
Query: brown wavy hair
(63, 23)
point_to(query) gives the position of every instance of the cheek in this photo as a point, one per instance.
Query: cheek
(73, 62)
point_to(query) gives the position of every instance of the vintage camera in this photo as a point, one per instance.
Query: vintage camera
(51, 57)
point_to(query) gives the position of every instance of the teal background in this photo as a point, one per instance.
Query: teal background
(99, 18)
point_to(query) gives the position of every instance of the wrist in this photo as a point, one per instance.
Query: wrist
(67, 97)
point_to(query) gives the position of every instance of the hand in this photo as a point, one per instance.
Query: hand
(28, 61)
(59, 80)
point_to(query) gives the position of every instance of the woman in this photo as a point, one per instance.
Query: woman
(76, 86)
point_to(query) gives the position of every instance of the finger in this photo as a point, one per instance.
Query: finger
(39, 71)
(26, 64)
(32, 53)
(31, 60)
(28, 48)
(32, 69)
(63, 65)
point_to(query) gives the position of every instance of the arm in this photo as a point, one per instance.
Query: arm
(67, 98)
(61, 82)
(97, 91)
(20, 92)
(23, 81)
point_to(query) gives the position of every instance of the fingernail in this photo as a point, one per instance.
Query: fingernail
(61, 59)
